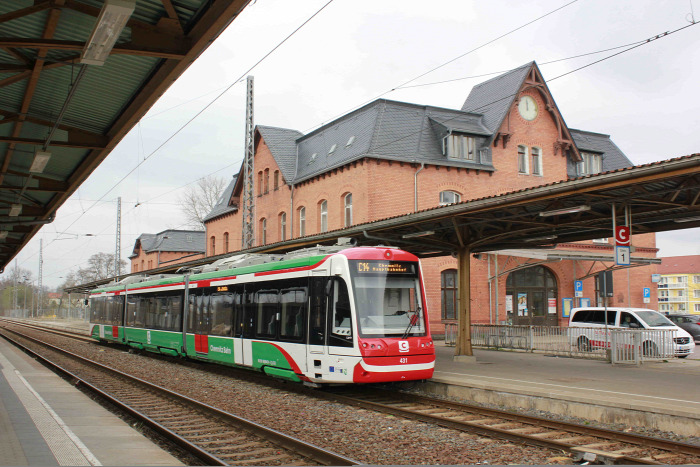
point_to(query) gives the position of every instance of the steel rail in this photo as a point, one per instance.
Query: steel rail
(308, 450)
(466, 426)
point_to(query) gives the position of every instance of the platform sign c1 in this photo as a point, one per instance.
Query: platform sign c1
(622, 255)
(622, 235)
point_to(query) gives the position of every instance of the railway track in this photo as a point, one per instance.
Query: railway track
(211, 435)
(584, 443)
(76, 334)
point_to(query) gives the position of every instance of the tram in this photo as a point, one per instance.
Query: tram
(322, 315)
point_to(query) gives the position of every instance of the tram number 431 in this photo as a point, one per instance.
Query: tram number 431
(403, 360)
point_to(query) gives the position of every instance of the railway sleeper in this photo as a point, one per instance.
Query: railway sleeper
(226, 435)
(259, 460)
(594, 455)
(255, 452)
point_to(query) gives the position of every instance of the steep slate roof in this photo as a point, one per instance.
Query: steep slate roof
(680, 265)
(613, 157)
(171, 240)
(223, 206)
(282, 144)
(493, 98)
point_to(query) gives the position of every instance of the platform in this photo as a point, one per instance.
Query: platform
(662, 395)
(46, 421)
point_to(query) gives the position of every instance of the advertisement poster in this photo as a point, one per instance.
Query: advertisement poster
(552, 306)
(567, 305)
(509, 304)
(522, 304)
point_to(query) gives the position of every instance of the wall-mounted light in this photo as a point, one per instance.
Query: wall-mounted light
(15, 210)
(537, 239)
(41, 158)
(571, 210)
(109, 26)
(426, 233)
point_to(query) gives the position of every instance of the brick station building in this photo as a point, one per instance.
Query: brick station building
(152, 251)
(390, 158)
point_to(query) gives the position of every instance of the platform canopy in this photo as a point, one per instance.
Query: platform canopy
(68, 95)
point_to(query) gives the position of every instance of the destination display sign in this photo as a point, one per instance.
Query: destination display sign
(384, 267)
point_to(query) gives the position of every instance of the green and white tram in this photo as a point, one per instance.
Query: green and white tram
(324, 315)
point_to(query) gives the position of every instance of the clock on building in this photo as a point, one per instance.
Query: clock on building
(527, 108)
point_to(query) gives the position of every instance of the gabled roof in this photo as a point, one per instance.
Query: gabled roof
(494, 97)
(224, 205)
(613, 157)
(282, 144)
(171, 240)
(680, 265)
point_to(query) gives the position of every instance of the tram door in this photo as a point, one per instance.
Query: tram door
(316, 340)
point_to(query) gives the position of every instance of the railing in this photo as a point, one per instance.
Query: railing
(631, 345)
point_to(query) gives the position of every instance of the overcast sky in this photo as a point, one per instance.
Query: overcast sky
(355, 51)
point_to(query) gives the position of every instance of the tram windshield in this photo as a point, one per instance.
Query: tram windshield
(387, 298)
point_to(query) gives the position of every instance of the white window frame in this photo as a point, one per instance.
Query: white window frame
(283, 226)
(324, 215)
(536, 154)
(696, 279)
(302, 221)
(449, 197)
(348, 209)
(263, 231)
(696, 293)
(697, 307)
(592, 163)
(523, 163)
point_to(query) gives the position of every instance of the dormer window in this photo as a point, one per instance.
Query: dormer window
(461, 147)
(449, 197)
(332, 149)
(350, 141)
(592, 164)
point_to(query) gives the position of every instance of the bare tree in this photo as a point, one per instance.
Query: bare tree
(199, 199)
(100, 266)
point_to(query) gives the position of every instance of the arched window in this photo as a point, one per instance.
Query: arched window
(448, 291)
(143, 264)
(276, 180)
(536, 161)
(267, 181)
(135, 268)
(348, 210)
(212, 245)
(449, 197)
(522, 160)
(260, 183)
(323, 216)
(283, 226)
(263, 231)
(302, 221)
(225, 242)
(533, 294)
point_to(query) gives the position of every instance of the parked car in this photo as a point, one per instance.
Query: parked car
(589, 330)
(690, 323)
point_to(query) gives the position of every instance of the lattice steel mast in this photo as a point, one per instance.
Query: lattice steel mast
(117, 251)
(247, 200)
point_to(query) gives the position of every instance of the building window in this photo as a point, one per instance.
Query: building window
(663, 307)
(143, 265)
(260, 183)
(302, 221)
(681, 307)
(348, 210)
(663, 293)
(263, 231)
(522, 160)
(266, 182)
(276, 180)
(135, 268)
(448, 291)
(697, 308)
(449, 197)
(323, 216)
(696, 293)
(283, 226)
(682, 279)
(150, 264)
(536, 161)
(592, 164)
(460, 147)
(225, 242)
(212, 245)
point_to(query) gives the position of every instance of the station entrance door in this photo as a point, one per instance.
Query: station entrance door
(533, 297)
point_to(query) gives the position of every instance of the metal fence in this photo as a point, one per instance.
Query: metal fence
(620, 346)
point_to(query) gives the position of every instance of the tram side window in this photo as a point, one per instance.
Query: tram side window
(317, 311)
(131, 307)
(267, 314)
(292, 306)
(174, 321)
(117, 310)
(149, 312)
(141, 308)
(221, 307)
(97, 306)
(341, 324)
(202, 323)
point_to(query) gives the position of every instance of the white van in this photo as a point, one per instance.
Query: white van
(593, 334)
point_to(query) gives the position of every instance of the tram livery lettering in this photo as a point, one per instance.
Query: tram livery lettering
(219, 349)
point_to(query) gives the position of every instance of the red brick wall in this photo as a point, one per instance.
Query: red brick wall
(150, 260)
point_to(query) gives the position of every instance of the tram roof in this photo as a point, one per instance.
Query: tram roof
(78, 113)
(661, 196)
